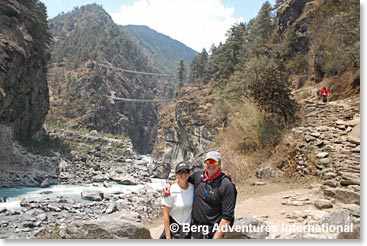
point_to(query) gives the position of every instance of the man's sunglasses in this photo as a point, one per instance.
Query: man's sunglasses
(211, 162)
(187, 171)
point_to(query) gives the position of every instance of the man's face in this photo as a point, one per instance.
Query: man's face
(211, 166)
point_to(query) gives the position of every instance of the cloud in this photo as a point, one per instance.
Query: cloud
(196, 23)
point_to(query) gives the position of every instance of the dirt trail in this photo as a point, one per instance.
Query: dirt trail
(269, 208)
(262, 202)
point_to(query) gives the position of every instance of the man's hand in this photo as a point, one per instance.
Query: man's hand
(166, 191)
(222, 224)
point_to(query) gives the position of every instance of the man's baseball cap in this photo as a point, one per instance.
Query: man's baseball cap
(181, 166)
(214, 155)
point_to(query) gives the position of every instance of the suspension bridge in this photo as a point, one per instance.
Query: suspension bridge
(112, 97)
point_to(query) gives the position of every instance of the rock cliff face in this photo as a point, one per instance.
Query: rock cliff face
(293, 14)
(23, 91)
(187, 128)
(23, 66)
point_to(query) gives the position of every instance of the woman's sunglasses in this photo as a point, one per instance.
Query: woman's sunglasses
(211, 162)
(186, 171)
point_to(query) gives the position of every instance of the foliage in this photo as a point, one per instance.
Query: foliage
(39, 30)
(47, 145)
(227, 56)
(199, 67)
(271, 90)
(335, 33)
(181, 72)
(246, 125)
(248, 138)
(255, 62)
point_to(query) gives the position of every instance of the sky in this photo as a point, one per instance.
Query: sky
(196, 23)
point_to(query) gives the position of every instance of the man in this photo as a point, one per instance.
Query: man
(214, 199)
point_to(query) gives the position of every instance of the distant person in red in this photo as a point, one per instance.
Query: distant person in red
(324, 94)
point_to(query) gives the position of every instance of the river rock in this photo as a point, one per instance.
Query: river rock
(251, 228)
(106, 229)
(159, 170)
(269, 172)
(112, 207)
(124, 179)
(92, 195)
(338, 217)
(322, 204)
(347, 196)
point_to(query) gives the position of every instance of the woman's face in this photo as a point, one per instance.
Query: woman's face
(183, 174)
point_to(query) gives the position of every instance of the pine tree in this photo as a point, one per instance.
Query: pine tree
(199, 67)
(181, 75)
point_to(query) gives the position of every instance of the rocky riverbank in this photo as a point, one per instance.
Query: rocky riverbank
(98, 160)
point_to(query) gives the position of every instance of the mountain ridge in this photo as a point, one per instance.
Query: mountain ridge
(80, 87)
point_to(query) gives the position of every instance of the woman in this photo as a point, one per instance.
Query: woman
(177, 207)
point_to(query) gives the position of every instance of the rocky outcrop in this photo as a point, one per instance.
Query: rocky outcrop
(187, 126)
(22, 168)
(91, 107)
(23, 91)
(294, 18)
(93, 160)
(23, 67)
(292, 13)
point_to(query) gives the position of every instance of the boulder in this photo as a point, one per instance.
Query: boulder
(92, 195)
(248, 228)
(347, 196)
(160, 170)
(106, 229)
(323, 203)
(124, 179)
(339, 217)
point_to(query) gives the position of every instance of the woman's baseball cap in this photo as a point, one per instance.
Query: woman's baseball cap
(181, 166)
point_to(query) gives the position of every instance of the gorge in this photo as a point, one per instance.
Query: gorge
(88, 103)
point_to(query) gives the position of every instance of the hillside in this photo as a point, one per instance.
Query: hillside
(163, 52)
(93, 58)
(256, 81)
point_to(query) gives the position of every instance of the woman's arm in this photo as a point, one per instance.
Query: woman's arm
(166, 223)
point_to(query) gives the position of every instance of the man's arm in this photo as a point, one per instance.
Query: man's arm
(228, 206)
(222, 225)
(166, 191)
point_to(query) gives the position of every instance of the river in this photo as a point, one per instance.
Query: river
(14, 195)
